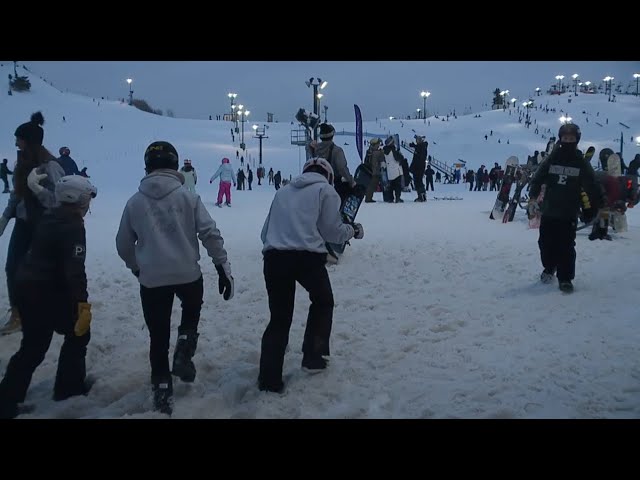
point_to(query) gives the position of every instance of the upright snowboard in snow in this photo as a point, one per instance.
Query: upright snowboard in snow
(505, 189)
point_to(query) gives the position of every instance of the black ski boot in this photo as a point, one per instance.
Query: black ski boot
(183, 366)
(162, 394)
(566, 286)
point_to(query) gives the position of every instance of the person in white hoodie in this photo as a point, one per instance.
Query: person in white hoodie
(393, 160)
(158, 241)
(227, 175)
(303, 217)
(190, 176)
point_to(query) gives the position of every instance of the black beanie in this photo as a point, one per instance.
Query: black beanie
(32, 132)
(326, 131)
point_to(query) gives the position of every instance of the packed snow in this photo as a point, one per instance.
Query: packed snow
(439, 310)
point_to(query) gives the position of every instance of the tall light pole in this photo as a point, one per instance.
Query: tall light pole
(315, 83)
(538, 91)
(232, 97)
(234, 118)
(424, 94)
(527, 105)
(243, 115)
(260, 134)
(504, 94)
(325, 113)
(637, 77)
(418, 112)
(559, 78)
(513, 102)
(587, 83)
(608, 80)
(319, 96)
(239, 114)
(575, 84)
(129, 80)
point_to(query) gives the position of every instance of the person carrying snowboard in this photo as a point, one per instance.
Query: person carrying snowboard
(303, 217)
(564, 173)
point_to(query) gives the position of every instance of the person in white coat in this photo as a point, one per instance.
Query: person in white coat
(393, 160)
(190, 176)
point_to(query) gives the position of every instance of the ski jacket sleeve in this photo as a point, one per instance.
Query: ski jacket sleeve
(73, 254)
(126, 240)
(539, 178)
(209, 234)
(217, 174)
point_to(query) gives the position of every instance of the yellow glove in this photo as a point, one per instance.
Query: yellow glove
(84, 319)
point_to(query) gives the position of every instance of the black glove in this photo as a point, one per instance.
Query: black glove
(358, 231)
(225, 280)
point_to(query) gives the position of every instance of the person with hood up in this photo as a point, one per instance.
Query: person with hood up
(227, 175)
(158, 241)
(303, 217)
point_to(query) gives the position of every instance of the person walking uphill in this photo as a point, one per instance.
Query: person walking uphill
(52, 297)
(303, 217)
(158, 241)
(227, 175)
(564, 172)
(4, 172)
(332, 153)
(34, 179)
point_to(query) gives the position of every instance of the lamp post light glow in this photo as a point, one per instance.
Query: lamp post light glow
(418, 112)
(559, 78)
(608, 80)
(319, 96)
(129, 81)
(243, 116)
(260, 134)
(424, 94)
(538, 91)
(315, 83)
(575, 84)
(637, 77)
(564, 119)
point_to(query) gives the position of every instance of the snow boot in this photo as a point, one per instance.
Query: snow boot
(183, 366)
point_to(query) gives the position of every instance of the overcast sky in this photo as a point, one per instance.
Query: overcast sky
(199, 89)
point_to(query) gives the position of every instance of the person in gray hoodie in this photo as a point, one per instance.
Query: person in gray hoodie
(158, 241)
(34, 179)
(334, 154)
(302, 218)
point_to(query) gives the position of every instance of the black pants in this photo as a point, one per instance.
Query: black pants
(470, 186)
(419, 184)
(396, 187)
(557, 246)
(43, 311)
(156, 307)
(18, 247)
(430, 183)
(281, 271)
(6, 183)
(250, 182)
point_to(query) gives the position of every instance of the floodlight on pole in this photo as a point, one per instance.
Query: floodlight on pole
(637, 77)
(129, 81)
(575, 84)
(424, 94)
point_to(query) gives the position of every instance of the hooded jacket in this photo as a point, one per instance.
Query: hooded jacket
(159, 231)
(304, 215)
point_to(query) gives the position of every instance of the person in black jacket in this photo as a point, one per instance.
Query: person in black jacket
(634, 165)
(418, 165)
(52, 297)
(429, 172)
(565, 173)
(4, 171)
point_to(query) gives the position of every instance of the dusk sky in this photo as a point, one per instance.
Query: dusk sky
(381, 89)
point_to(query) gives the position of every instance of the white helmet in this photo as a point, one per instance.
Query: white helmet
(323, 164)
(75, 189)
